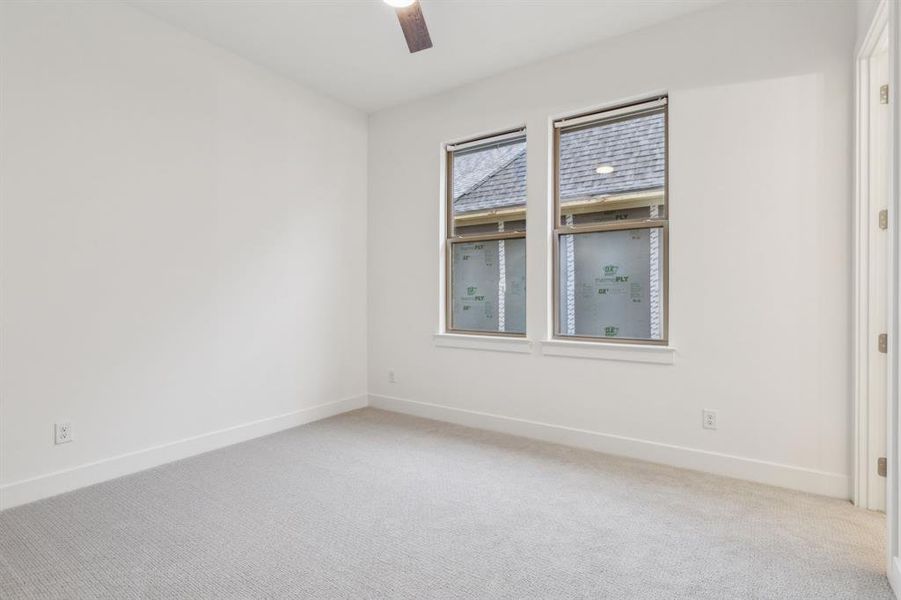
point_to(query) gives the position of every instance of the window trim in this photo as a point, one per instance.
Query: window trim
(450, 237)
(494, 343)
(658, 103)
(638, 353)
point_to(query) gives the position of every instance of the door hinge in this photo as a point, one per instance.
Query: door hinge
(883, 343)
(883, 94)
(883, 218)
(882, 466)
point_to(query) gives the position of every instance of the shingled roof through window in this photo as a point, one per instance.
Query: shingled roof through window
(496, 178)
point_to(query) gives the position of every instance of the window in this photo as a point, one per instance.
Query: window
(611, 224)
(486, 235)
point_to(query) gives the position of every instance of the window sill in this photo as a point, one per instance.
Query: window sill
(643, 353)
(483, 342)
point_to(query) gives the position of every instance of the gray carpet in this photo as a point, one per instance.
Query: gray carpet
(377, 505)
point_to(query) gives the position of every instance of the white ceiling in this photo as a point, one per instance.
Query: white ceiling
(354, 51)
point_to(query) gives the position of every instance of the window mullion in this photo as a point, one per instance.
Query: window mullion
(612, 226)
(487, 237)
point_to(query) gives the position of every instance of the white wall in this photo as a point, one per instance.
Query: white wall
(760, 193)
(182, 246)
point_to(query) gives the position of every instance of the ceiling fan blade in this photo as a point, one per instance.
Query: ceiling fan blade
(413, 25)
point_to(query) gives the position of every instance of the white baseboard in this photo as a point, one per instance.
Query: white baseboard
(808, 480)
(835, 485)
(51, 484)
(894, 575)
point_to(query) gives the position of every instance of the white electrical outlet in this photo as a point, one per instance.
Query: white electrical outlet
(62, 433)
(709, 419)
(391, 377)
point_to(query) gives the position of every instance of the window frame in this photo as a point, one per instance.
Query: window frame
(451, 237)
(659, 103)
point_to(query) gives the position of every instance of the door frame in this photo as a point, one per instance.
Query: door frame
(894, 415)
(887, 15)
(864, 229)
